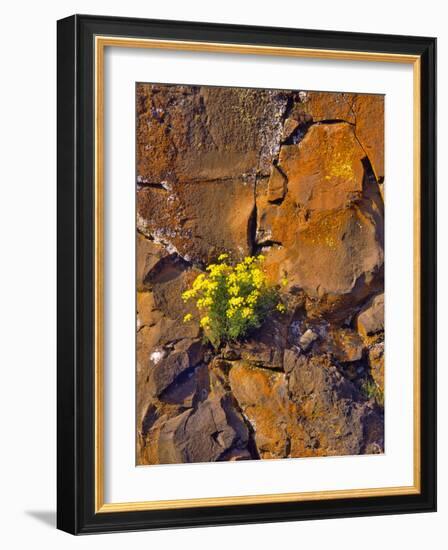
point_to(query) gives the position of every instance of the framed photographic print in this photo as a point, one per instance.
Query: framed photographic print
(246, 274)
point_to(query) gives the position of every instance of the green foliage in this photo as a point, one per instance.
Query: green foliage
(371, 390)
(233, 300)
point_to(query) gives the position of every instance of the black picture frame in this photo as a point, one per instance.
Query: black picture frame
(76, 263)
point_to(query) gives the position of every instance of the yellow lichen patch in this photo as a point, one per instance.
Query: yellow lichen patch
(325, 168)
(326, 231)
(341, 165)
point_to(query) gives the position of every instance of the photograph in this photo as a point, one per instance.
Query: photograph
(259, 273)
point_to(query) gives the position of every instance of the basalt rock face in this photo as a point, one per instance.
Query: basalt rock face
(299, 177)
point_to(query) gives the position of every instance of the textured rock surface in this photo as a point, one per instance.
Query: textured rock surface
(324, 170)
(328, 229)
(276, 185)
(376, 362)
(344, 345)
(263, 397)
(299, 177)
(192, 133)
(335, 418)
(371, 319)
(199, 220)
(203, 434)
(266, 347)
(369, 121)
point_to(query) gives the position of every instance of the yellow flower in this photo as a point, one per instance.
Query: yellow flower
(188, 294)
(216, 270)
(205, 321)
(234, 290)
(253, 297)
(199, 282)
(258, 278)
(228, 298)
(247, 312)
(284, 281)
(281, 307)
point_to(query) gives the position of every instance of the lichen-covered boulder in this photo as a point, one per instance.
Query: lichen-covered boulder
(325, 169)
(197, 133)
(199, 220)
(327, 232)
(334, 415)
(263, 397)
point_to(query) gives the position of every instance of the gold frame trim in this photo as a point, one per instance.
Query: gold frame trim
(101, 42)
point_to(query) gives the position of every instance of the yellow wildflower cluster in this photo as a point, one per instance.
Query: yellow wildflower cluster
(232, 300)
